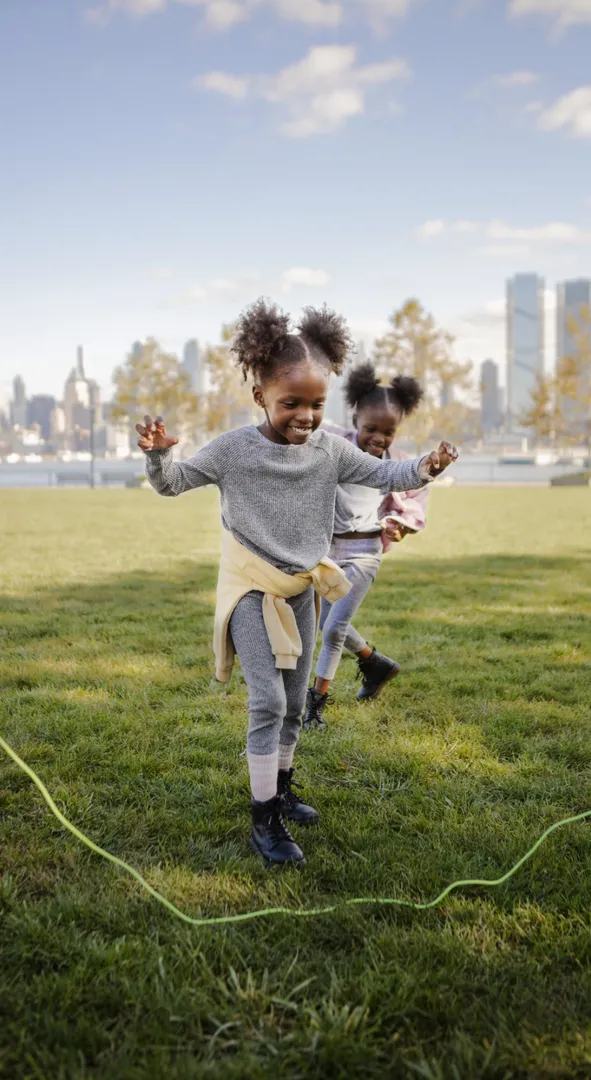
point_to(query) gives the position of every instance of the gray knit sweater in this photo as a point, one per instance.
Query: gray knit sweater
(278, 500)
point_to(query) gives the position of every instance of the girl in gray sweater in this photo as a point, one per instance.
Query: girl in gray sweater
(278, 483)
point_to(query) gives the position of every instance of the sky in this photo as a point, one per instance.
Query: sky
(165, 162)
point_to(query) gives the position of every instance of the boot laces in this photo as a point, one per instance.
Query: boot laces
(278, 830)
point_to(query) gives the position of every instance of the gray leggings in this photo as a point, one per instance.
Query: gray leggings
(276, 697)
(361, 560)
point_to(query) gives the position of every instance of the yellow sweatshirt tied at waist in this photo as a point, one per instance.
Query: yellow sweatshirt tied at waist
(241, 572)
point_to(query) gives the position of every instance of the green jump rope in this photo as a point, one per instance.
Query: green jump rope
(267, 912)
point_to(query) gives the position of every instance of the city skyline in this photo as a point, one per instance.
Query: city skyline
(163, 167)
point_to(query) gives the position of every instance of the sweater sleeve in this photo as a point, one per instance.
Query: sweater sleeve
(355, 467)
(169, 477)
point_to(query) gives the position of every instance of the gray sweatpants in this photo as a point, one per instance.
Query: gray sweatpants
(276, 697)
(361, 560)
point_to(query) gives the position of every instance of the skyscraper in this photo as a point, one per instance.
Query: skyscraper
(525, 342)
(490, 412)
(336, 409)
(18, 410)
(41, 407)
(572, 298)
(573, 312)
(193, 363)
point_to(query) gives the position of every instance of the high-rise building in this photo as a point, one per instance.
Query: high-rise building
(490, 395)
(18, 409)
(336, 409)
(194, 364)
(573, 300)
(40, 409)
(573, 312)
(525, 343)
(81, 405)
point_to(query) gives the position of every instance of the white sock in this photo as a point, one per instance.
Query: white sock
(286, 756)
(263, 775)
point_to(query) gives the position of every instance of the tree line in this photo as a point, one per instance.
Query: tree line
(153, 380)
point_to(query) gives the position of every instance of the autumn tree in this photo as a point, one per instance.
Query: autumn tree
(229, 400)
(153, 381)
(541, 415)
(573, 382)
(560, 407)
(416, 345)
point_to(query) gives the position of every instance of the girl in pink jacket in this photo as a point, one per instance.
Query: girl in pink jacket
(367, 523)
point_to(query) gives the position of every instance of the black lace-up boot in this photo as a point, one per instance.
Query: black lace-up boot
(375, 671)
(271, 837)
(315, 703)
(294, 808)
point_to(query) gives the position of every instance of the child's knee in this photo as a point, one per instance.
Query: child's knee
(334, 636)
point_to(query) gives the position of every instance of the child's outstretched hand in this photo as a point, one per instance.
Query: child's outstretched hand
(153, 436)
(439, 459)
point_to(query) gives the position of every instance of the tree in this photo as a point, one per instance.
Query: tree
(561, 406)
(541, 415)
(153, 381)
(416, 345)
(573, 382)
(229, 401)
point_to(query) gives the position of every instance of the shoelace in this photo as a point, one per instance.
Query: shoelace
(277, 827)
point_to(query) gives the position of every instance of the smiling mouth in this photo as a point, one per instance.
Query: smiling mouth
(301, 430)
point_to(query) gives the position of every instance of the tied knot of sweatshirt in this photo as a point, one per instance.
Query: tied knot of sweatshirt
(241, 572)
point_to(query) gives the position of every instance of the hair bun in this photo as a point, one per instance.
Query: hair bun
(262, 333)
(361, 381)
(328, 332)
(408, 392)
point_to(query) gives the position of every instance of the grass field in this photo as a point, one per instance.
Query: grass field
(483, 741)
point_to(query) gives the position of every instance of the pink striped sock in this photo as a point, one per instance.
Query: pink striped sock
(263, 775)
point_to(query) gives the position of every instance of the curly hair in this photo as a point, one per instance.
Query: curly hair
(363, 387)
(263, 341)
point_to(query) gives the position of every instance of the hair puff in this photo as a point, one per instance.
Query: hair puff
(262, 334)
(361, 381)
(325, 331)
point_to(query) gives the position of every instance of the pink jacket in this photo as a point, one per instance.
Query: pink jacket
(407, 507)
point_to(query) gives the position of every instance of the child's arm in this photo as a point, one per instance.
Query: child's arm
(355, 467)
(169, 477)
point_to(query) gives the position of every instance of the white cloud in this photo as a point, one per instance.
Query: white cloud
(315, 12)
(573, 112)
(516, 78)
(318, 93)
(304, 277)
(431, 228)
(561, 232)
(533, 106)
(223, 14)
(555, 232)
(564, 12)
(234, 86)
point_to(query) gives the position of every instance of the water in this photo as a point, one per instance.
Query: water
(481, 469)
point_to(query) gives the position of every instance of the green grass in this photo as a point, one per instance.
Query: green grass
(483, 741)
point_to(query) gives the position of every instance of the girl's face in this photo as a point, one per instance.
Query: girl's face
(293, 402)
(376, 427)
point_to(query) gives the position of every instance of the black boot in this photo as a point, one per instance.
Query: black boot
(271, 837)
(294, 808)
(376, 671)
(315, 703)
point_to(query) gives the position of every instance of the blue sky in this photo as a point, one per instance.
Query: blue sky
(166, 161)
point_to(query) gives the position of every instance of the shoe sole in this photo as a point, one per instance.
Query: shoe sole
(377, 692)
(271, 863)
